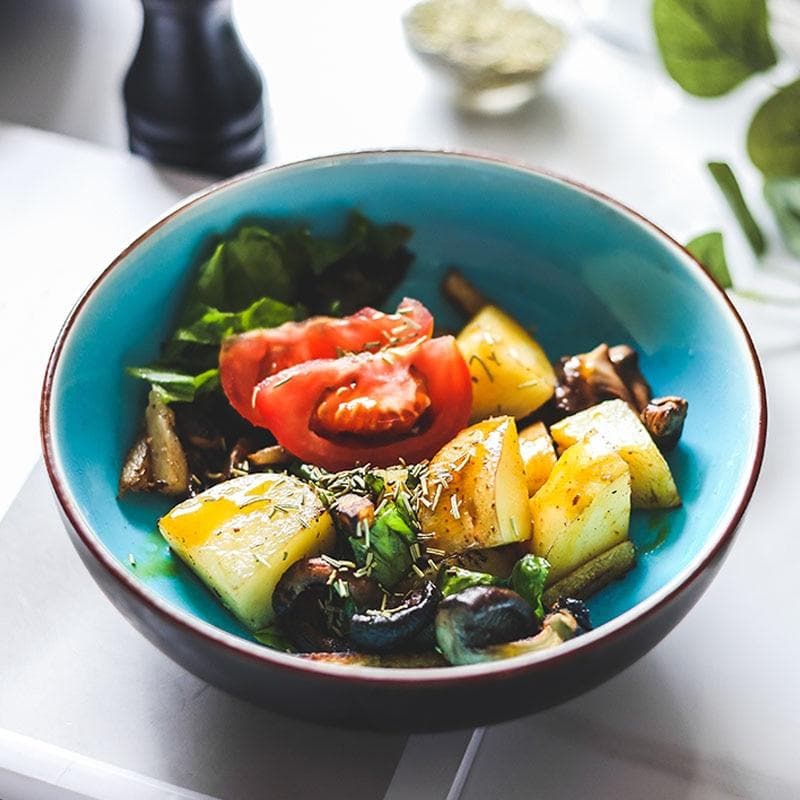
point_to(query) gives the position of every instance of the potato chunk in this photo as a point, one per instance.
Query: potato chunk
(652, 485)
(538, 455)
(583, 508)
(510, 372)
(240, 536)
(477, 494)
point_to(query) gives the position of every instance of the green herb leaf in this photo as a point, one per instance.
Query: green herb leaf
(176, 387)
(527, 580)
(389, 538)
(709, 250)
(726, 180)
(711, 46)
(211, 326)
(783, 196)
(245, 268)
(272, 636)
(455, 579)
(374, 261)
(773, 140)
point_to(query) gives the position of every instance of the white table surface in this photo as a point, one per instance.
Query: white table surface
(712, 712)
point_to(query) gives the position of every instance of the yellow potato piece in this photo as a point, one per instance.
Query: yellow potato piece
(652, 484)
(538, 455)
(240, 536)
(477, 494)
(511, 374)
(583, 508)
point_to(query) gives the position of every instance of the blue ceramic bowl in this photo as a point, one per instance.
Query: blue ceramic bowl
(574, 264)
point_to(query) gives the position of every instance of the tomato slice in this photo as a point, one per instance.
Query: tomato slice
(370, 408)
(248, 358)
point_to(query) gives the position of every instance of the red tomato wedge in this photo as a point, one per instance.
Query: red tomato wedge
(247, 358)
(370, 408)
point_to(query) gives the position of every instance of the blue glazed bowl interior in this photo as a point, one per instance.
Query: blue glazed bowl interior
(575, 268)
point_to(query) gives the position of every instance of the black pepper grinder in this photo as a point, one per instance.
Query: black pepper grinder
(192, 93)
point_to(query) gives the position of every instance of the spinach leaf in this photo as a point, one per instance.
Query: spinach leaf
(783, 196)
(726, 180)
(711, 46)
(250, 265)
(528, 578)
(385, 549)
(709, 250)
(773, 140)
(176, 387)
(373, 261)
(209, 325)
(455, 579)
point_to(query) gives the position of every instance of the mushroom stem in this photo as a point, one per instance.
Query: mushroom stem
(462, 293)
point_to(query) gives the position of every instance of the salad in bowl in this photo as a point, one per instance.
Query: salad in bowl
(359, 487)
(395, 439)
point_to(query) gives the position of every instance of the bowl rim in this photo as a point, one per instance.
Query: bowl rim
(503, 669)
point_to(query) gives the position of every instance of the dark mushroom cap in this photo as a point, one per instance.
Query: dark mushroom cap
(298, 597)
(383, 631)
(484, 615)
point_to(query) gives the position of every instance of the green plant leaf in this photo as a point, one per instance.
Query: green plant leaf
(773, 140)
(783, 196)
(211, 326)
(389, 538)
(726, 180)
(709, 250)
(176, 387)
(527, 580)
(711, 46)
(455, 579)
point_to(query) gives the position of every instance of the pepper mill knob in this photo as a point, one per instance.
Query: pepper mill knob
(192, 93)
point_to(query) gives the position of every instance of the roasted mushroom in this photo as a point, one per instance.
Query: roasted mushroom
(381, 631)
(589, 378)
(472, 620)
(626, 364)
(298, 602)
(664, 417)
(351, 512)
(487, 623)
